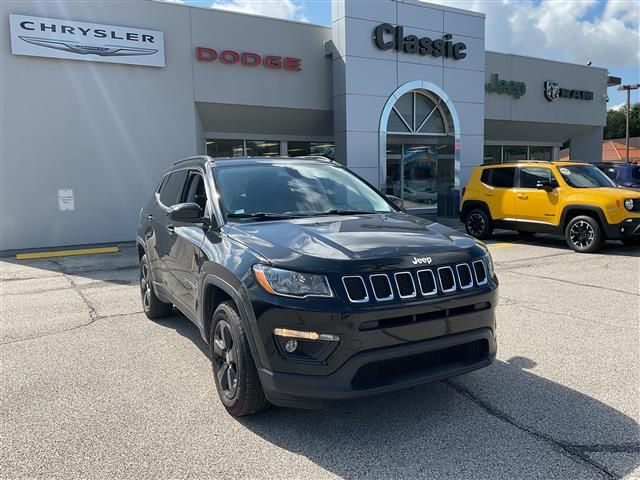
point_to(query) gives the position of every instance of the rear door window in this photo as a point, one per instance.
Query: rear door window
(503, 177)
(635, 172)
(171, 189)
(486, 176)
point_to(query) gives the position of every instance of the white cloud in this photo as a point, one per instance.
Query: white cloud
(620, 106)
(559, 29)
(286, 9)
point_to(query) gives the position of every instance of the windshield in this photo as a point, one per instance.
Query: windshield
(585, 176)
(290, 189)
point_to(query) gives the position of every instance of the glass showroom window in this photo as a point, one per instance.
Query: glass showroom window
(509, 153)
(225, 148)
(300, 149)
(242, 148)
(420, 166)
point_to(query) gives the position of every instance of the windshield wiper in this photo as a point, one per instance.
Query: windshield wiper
(337, 211)
(260, 216)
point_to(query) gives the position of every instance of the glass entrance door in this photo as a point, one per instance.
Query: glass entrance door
(422, 176)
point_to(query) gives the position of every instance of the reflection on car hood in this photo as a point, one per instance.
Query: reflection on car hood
(367, 242)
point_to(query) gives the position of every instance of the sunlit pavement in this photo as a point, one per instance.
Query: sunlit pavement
(92, 389)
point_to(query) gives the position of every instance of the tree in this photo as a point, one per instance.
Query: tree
(616, 122)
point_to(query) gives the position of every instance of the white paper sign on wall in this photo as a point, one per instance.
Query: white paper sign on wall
(65, 200)
(94, 42)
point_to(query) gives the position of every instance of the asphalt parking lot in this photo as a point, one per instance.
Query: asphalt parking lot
(92, 389)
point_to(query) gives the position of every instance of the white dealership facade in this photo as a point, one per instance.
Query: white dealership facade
(99, 98)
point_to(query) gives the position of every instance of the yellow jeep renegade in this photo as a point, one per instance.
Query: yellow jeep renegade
(572, 199)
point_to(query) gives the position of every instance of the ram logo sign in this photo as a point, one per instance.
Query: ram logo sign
(70, 39)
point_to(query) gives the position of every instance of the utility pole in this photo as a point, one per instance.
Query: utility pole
(628, 88)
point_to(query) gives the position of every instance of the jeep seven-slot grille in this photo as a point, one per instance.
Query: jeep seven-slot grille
(406, 285)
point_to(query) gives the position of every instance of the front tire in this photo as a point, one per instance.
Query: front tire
(478, 224)
(234, 371)
(584, 235)
(153, 307)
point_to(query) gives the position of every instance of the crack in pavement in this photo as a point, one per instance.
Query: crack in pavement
(551, 312)
(90, 285)
(574, 452)
(578, 284)
(75, 327)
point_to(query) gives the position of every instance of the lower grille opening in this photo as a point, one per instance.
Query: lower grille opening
(386, 372)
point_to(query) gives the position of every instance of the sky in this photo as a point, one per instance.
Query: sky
(604, 32)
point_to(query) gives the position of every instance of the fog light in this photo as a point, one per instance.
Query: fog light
(291, 346)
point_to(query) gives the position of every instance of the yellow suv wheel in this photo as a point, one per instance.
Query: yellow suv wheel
(478, 224)
(583, 234)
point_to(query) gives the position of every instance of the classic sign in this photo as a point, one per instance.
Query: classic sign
(388, 37)
(73, 40)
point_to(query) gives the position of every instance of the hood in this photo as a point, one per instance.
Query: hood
(614, 193)
(363, 242)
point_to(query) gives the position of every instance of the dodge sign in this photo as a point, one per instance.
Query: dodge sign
(74, 40)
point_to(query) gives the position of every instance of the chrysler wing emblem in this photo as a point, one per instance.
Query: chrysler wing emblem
(102, 51)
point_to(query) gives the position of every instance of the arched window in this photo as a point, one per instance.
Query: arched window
(419, 113)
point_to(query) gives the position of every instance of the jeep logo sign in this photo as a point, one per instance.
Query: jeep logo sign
(388, 37)
(515, 89)
(94, 42)
(421, 260)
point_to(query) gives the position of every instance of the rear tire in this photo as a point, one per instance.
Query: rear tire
(153, 307)
(234, 371)
(584, 235)
(478, 224)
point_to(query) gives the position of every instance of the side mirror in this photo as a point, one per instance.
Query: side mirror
(544, 185)
(187, 213)
(396, 201)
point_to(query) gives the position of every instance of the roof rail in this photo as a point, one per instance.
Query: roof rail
(516, 161)
(182, 160)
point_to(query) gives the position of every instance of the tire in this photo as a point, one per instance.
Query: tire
(153, 307)
(234, 371)
(478, 224)
(583, 234)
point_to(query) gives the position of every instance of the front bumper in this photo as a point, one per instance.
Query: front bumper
(380, 349)
(627, 229)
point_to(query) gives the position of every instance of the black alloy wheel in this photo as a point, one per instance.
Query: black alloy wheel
(584, 235)
(225, 365)
(478, 224)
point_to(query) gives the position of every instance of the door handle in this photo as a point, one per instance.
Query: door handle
(149, 217)
(523, 196)
(171, 229)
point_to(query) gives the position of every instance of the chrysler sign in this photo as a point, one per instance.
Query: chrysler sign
(74, 40)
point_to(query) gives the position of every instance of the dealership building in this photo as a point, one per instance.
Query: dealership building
(100, 97)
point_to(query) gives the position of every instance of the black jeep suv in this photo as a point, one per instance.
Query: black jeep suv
(309, 285)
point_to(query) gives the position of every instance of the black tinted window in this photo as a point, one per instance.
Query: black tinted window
(171, 188)
(486, 176)
(503, 177)
(529, 176)
(195, 191)
(635, 173)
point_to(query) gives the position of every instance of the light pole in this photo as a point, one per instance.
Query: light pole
(628, 88)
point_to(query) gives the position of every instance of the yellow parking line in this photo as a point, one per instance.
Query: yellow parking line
(66, 253)
(502, 245)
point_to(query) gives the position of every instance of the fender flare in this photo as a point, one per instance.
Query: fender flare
(241, 299)
(568, 209)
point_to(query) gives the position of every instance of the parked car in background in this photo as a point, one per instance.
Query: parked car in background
(309, 285)
(575, 200)
(625, 175)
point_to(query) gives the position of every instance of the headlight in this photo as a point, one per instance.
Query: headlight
(628, 204)
(489, 261)
(291, 284)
